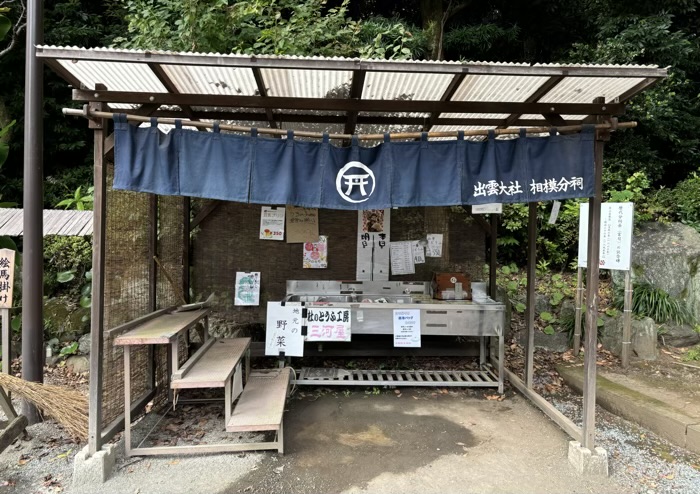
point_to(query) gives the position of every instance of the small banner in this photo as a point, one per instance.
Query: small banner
(328, 324)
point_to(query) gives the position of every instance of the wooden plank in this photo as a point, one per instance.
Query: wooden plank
(187, 366)
(261, 405)
(12, 431)
(161, 329)
(111, 333)
(214, 366)
(530, 310)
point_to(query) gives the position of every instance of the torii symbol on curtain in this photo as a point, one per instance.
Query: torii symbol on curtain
(352, 180)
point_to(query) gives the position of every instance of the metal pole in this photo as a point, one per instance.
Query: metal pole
(98, 289)
(593, 272)
(33, 203)
(530, 322)
(627, 321)
(493, 261)
(577, 311)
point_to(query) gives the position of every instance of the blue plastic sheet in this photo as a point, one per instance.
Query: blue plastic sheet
(262, 170)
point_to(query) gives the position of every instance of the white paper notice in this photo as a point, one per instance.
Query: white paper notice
(407, 328)
(402, 258)
(434, 245)
(247, 289)
(495, 208)
(283, 330)
(616, 225)
(272, 223)
(327, 324)
(418, 253)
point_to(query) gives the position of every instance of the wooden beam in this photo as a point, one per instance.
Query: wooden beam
(337, 104)
(493, 264)
(12, 431)
(262, 90)
(186, 254)
(358, 83)
(152, 251)
(203, 213)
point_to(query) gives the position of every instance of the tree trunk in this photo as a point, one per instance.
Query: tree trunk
(432, 13)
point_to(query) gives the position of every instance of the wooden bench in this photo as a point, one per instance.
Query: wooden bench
(217, 364)
(261, 406)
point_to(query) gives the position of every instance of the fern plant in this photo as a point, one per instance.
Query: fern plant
(649, 301)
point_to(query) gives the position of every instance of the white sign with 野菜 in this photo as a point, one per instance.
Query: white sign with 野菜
(283, 330)
(272, 223)
(7, 277)
(616, 225)
(327, 324)
(407, 328)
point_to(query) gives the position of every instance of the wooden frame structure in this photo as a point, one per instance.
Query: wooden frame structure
(444, 96)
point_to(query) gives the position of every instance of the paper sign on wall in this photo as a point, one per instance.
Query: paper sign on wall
(272, 223)
(247, 289)
(302, 225)
(434, 245)
(283, 330)
(402, 258)
(7, 277)
(407, 328)
(316, 254)
(616, 225)
(418, 253)
(373, 237)
(327, 324)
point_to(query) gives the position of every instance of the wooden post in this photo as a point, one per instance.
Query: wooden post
(627, 321)
(593, 272)
(152, 280)
(98, 285)
(493, 260)
(577, 311)
(186, 248)
(531, 273)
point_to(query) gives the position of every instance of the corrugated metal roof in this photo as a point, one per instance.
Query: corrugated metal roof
(406, 92)
(56, 222)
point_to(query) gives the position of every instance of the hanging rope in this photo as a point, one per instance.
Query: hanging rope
(87, 113)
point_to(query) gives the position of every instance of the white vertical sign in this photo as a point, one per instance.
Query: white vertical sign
(7, 277)
(373, 237)
(283, 330)
(616, 225)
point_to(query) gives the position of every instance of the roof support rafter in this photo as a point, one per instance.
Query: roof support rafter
(535, 97)
(358, 83)
(170, 86)
(446, 96)
(262, 90)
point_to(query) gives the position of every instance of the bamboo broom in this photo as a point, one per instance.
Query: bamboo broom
(68, 407)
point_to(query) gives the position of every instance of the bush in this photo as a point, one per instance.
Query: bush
(686, 201)
(648, 301)
(64, 254)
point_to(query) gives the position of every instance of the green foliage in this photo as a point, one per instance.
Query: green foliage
(5, 26)
(685, 201)
(479, 37)
(71, 349)
(391, 39)
(78, 200)
(648, 301)
(692, 355)
(67, 260)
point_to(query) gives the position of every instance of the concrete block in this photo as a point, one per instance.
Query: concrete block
(95, 469)
(587, 462)
(692, 438)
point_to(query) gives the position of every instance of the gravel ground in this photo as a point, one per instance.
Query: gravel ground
(638, 457)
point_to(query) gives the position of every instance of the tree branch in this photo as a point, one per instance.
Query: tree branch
(17, 27)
